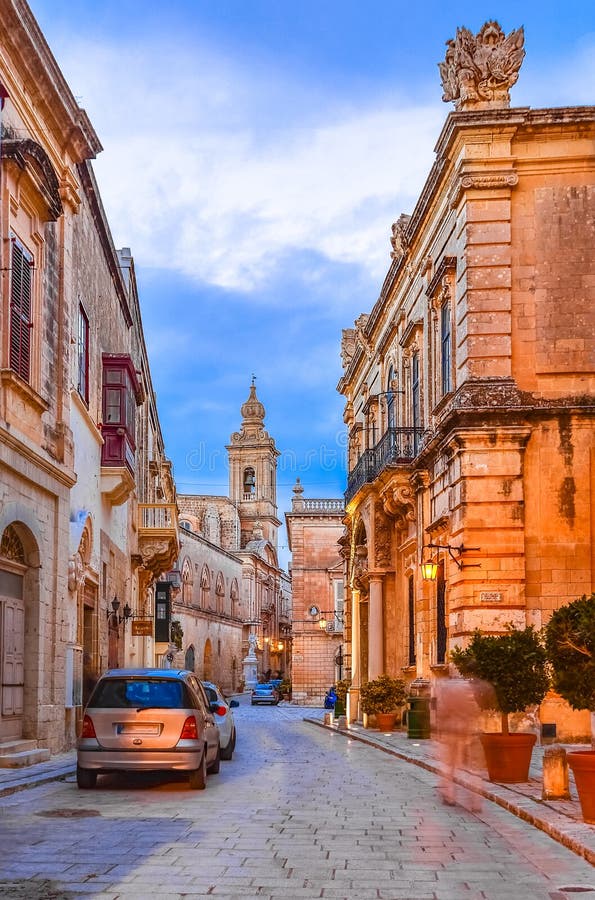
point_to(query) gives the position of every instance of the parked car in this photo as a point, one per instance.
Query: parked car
(223, 717)
(264, 693)
(148, 720)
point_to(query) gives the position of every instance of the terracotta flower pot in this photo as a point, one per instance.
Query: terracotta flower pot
(582, 763)
(508, 756)
(386, 721)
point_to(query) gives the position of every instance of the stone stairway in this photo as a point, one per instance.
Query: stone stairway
(17, 754)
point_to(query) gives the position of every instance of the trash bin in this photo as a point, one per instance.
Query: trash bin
(418, 718)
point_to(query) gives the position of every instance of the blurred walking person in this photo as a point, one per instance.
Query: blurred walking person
(457, 725)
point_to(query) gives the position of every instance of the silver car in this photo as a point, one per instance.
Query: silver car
(223, 717)
(148, 720)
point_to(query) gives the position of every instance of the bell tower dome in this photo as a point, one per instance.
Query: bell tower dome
(253, 473)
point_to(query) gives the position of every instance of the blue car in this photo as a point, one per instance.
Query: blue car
(264, 693)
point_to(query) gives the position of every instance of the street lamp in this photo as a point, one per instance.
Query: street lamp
(429, 569)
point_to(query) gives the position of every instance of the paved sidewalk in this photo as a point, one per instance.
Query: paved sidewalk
(59, 766)
(561, 819)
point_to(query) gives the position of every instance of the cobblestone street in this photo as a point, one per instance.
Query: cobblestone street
(299, 812)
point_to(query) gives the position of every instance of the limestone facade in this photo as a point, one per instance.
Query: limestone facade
(469, 395)
(319, 658)
(87, 503)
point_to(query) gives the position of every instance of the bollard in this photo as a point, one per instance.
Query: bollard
(342, 722)
(555, 774)
(328, 718)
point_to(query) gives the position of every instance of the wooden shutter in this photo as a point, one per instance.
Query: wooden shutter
(20, 311)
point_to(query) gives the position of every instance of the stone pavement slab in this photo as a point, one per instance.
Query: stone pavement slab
(561, 819)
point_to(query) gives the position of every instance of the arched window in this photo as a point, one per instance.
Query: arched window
(249, 483)
(205, 587)
(220, 592)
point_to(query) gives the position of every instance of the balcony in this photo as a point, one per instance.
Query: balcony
(396, 447)
(158, 541)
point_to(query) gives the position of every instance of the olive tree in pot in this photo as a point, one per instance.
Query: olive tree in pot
(570, 646)
(382, 697)
(515, 665)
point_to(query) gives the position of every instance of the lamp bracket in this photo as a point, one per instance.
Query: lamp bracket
(452, 549)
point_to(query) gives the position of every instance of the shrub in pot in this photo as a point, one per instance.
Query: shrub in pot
(515, 665)
(382, 697)
(570, 646)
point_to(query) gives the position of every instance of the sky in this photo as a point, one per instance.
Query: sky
(256, 154)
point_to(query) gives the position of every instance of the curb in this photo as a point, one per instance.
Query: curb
(561, 830)
(35, 779)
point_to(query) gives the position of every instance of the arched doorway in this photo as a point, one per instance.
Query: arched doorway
(18, 631)
(207, 666)
(189, 658)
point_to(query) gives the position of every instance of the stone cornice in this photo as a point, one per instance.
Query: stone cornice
(23, 39)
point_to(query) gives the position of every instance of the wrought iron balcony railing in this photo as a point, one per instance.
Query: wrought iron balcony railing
(397, 446)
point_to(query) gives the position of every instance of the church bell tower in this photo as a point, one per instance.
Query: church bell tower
(253, 473)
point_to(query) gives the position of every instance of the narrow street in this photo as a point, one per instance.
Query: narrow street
(299, 812)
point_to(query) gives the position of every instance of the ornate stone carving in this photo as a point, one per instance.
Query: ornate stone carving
(76, 572)
(360, 567)
(479, 70)
(399, 241)
(488, 181)
(347, 346)
(382, 554)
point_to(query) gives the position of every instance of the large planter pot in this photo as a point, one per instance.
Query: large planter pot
(582, 763)
(386, 721)
(508, 756)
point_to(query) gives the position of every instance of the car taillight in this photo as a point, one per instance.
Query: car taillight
(88, 728)
(189, 730)
(221, 710)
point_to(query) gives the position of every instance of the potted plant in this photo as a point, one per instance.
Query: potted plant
(570, 646)
(285, 689)
(382, 697)
(515, 665)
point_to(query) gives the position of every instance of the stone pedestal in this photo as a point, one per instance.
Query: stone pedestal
(555, 774)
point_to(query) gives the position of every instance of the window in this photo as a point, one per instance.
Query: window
(390, 400)
(20, 310)
(121, 393)
(445, 347)
(411, 604)
(83, 355)
(339, 603)
(440, 615)
(415, 401)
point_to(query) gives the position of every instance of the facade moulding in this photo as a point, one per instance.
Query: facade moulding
(23, 451)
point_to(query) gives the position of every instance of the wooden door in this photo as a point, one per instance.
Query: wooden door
(12, 651)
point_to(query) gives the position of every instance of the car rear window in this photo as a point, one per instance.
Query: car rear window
(211, 694)
(121, 693)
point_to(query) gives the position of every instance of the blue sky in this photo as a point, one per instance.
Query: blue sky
(256, 153)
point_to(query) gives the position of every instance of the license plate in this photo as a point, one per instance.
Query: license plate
(137, 728)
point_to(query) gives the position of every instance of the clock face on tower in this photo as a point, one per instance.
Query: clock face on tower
(313, 610)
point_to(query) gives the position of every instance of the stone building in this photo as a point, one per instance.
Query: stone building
(87, 501)
(232, 586)
(319, 657)
(469, 384)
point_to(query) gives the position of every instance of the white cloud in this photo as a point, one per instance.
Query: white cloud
(201, 176)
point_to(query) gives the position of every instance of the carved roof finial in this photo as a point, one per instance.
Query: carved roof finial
(479, 70)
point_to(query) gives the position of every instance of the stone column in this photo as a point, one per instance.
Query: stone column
(375, 629)
(353, 693)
